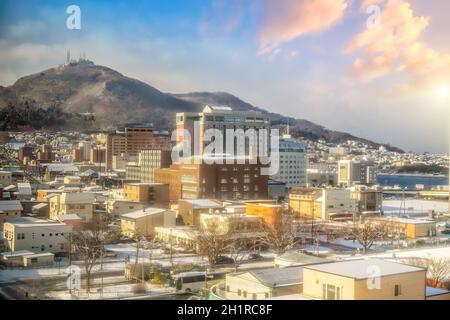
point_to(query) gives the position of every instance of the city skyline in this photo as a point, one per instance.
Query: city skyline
(379, 83)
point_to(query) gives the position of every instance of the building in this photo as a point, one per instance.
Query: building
(189, 210)
(276, 190)
(5, 178)
(25, 154)
(24, 191)
(143, 222)
(322, 204)
(223, 181)
(45, 154)
(172, 177)
(269, 213)
(27, 259)
(369, 199)
(321, 177)
(148, 193)
(352, 172)
(66, 203)
(9, 209)
(259, 284)
(227, 224)
(133, 140)
(97, 155)
(220, 118)
(371, 279)
(405, 227)
(293, 163)
(36, 235)
(116, 207)
(152, 159)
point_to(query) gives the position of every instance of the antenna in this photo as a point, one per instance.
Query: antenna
(68, 57)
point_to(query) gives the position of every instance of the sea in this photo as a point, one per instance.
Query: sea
(410, 181)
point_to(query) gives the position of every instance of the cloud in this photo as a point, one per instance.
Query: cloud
(286, 20)
(397, 46)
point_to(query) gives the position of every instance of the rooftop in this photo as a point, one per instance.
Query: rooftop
(10, 205)
(203, 203)
(279, 277)
(143, 213)
(361, 269)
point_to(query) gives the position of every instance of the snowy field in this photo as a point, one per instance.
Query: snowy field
(414, 206)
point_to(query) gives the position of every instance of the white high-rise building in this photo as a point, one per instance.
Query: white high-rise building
(293, 166)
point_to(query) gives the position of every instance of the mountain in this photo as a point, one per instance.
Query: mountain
(66, 96)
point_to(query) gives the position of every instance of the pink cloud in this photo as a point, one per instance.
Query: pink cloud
(286, 20)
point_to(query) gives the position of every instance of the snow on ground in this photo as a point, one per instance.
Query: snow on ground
(414, 206)
(318, 249)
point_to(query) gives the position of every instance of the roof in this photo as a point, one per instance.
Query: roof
(77, 197)
(299, 258)
(10, 205)
(279, 277)
(67, 217)
(16, 253)
(24, 188)
(24, 222)
(143, 213)
(430, 291)
(403, 220)
(40, 205)
(37, 255)
(203, 203)
(361, 269)
(61, 167)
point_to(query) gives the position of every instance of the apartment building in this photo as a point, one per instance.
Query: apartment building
(369, 199)
(323, 204)
(352, 172)
(97, 155)
(117, 207)
(149, 193)
(221, 118)
(189, 210)
(143, 222)
(5, 178)
(223, 181)
(134, 139)
(36, 235)
(66, 203)
(172, 177)
(9, 209)
(149, 161)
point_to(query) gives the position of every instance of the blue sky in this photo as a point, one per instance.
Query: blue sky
(311, 59)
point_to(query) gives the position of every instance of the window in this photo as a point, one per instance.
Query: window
(266, 295)
(239, 292)
(398, 290)
(245, 294)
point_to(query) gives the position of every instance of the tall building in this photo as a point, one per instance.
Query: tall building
(223, 181)
(133, 140)
(293, 164)
(221, 118)
(45, 154)
(97, 155)
(172, 177)
(25, 152)
(352, 172)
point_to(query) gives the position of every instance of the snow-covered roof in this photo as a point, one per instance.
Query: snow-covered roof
(203, 203)
(363, 269)
(430, 291)
(143, 213)
(10, 205)
(279, 277)
(68, 217)
(300, 258)
(77, 197)
(24, 188)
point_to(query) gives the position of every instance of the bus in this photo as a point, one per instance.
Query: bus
(194, 281)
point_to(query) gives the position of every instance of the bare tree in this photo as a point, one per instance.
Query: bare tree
(87, 244)
(211, 243)
(238, 250)
(438, 269)
(367, 233)
(281, 235)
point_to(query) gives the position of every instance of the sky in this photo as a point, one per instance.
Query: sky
(378, 69)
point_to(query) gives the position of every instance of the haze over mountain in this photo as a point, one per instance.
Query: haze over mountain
(82, 87)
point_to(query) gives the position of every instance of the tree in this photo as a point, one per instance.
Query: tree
(281, 235)
(238, 250)
(438, 269)
(87, 244)
(367, 233)
(211, 243)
